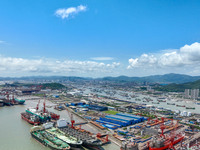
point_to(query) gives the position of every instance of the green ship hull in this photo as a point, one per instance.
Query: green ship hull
(49, 140)
(21, 102)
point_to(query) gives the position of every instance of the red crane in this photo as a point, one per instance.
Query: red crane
(71, 118)
(44, 108)
(38, 105)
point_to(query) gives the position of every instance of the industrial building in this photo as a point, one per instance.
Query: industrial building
(120, 120)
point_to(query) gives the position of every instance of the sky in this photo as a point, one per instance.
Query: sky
(97, 38)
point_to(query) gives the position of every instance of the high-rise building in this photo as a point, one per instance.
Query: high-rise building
(194, 93)
(187, 93)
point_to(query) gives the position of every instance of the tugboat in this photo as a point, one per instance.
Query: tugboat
(47, 139)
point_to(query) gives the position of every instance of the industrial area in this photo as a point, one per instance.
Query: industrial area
(93, 119)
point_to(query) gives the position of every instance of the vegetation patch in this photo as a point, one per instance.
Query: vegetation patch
(111, 112)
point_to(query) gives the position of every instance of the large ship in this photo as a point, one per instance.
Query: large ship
(168, 141)
(32, 119)
(86, 137)
(47, 139)
(72, 141)
(19, 101)
(165, 143)
(41, 116)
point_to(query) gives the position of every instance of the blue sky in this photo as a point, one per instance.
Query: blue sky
(99, 37)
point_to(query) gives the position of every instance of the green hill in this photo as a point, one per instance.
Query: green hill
(179, 87)
(53, 86)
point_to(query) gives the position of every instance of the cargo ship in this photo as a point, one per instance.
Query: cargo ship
(21, 102)
(47, 139)
(85, 136)
(72, 141)
(165, 143)
(42, 115)
(32, 119)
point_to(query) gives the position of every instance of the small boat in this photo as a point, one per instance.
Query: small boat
(170, 103)
(180, 105)
(155, 103)
(190, 107)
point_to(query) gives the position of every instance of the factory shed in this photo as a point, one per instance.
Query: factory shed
(130, 121)
(139, 118)
(114, 121)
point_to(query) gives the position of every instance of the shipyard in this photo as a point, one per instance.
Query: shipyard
(97, 118)
(99, 75)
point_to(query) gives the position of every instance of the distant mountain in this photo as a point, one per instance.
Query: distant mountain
(167, 78)
(180, 87)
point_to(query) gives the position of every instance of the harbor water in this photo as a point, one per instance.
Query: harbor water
(15, 132)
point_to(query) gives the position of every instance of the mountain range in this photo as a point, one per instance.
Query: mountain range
(162, 79)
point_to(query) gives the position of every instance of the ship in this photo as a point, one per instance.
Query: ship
(155, 103)
(170, 103)
(180, 105)
(72, 141)
(165, 142)
(19, 101)
(32, 119)
(85, 136)
(190, 107)
(43, 115)
(47, 139)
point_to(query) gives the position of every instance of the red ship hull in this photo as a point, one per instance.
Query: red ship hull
(55, 116)
(29, 121)
(168, 144)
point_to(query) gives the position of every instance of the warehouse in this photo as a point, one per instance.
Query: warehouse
(121, 119)
(97, 107)
(139, 118)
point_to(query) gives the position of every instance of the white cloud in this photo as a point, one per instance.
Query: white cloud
(102, 58)
(185, 60)
(71, 11)
(186, 56)
(49, 66)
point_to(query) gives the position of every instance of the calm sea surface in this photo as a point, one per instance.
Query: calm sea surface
(14, 132)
